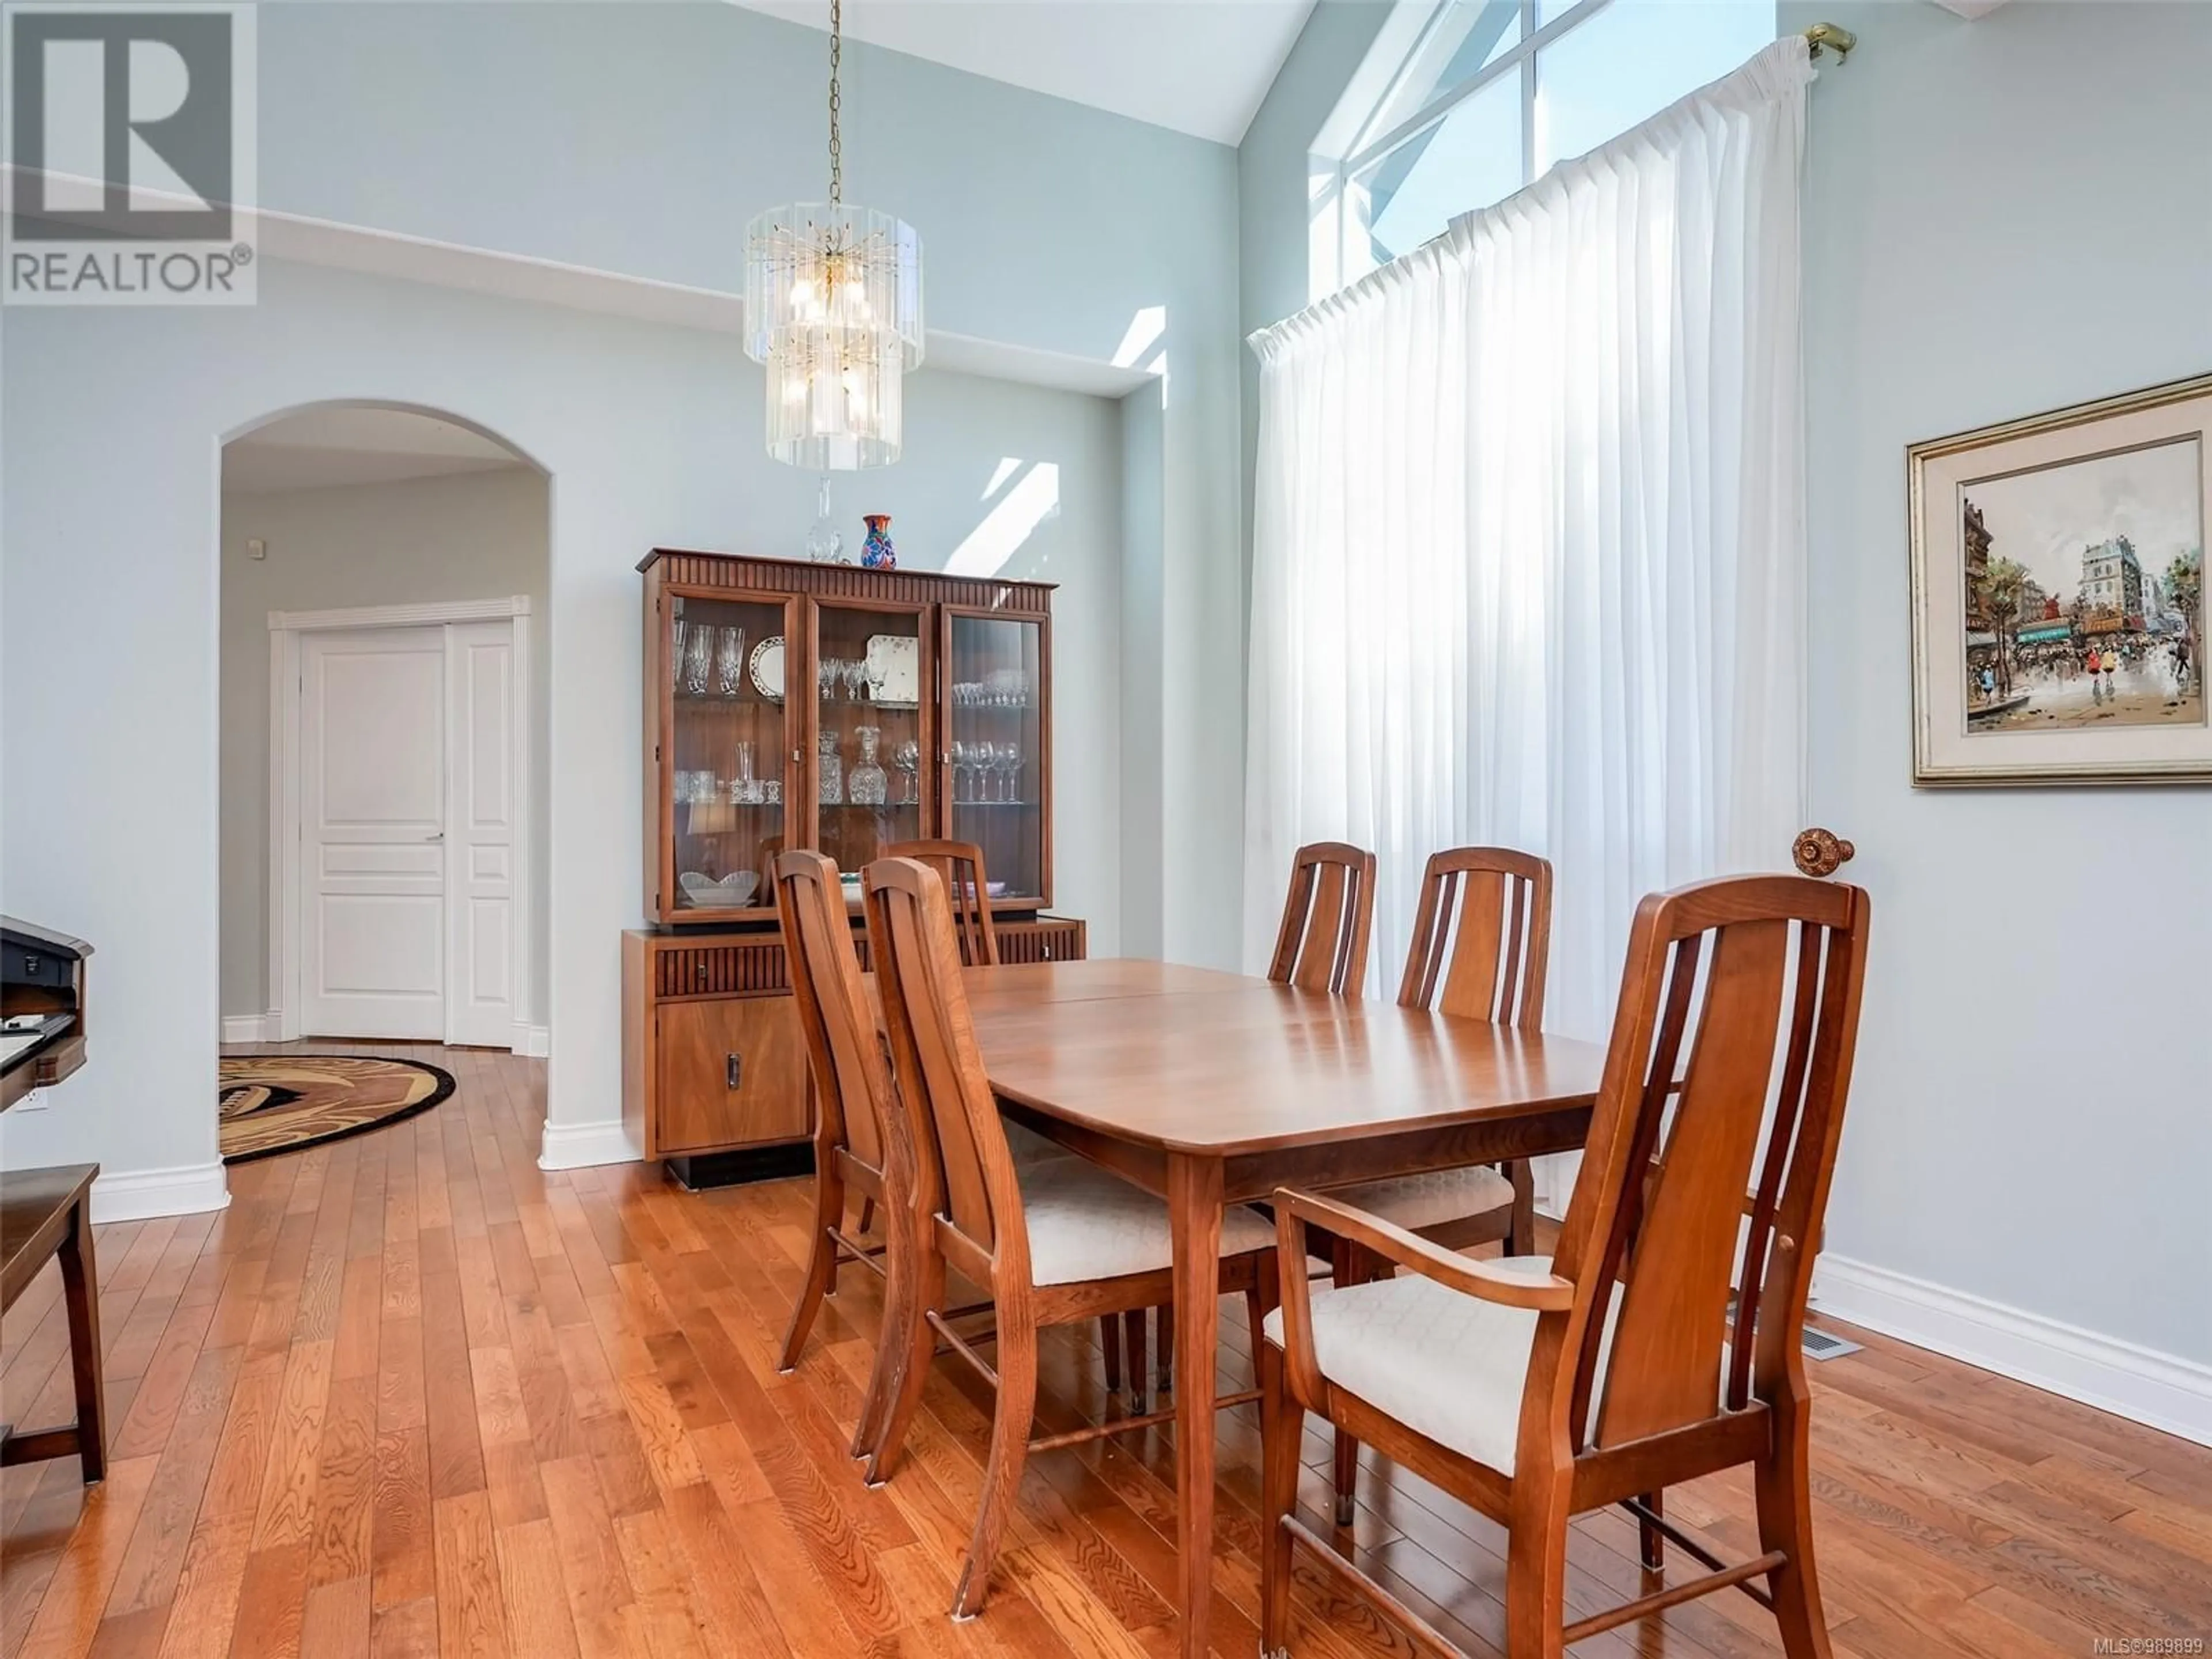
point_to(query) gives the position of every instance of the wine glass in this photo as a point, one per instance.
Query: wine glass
(907, 758)
(1010, 757)
(856, 680)
(698, 660)
(962, 755)
(730, 661)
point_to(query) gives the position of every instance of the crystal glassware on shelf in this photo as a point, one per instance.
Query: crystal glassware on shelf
(746, 788)
(678, 634)
(868, 786)
(730, 661)
(959, 752)
(826, 677)
(856, 680)
(1010, 762)
(698, 660)
(984, 763)
(832, 792)
(907, 758)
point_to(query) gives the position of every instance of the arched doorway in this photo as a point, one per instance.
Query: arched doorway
(384, 571)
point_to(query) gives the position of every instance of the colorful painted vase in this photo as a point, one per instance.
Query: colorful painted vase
(877, 553)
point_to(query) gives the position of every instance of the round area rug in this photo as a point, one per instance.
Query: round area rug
(280, 1102)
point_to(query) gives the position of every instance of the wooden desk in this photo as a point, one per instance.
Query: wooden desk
(1213, 1089)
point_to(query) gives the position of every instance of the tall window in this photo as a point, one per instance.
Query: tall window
(1479, 97)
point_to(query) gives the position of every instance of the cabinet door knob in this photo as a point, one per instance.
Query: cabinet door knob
(737, 1070)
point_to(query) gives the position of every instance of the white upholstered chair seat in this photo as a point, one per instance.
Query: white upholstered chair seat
(1444, 1364)
(1085, 1224)
(1432, 1198)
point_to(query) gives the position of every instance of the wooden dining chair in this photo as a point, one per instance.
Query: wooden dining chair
(1057, 1244)
(959, 865)
(1328, 920)
(1536, 1389)
(853, 1125)
(1481, 951)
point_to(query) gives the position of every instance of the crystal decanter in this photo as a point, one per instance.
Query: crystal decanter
(869, 786)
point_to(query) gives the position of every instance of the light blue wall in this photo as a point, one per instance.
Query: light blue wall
(1273, 199)
(2036, 1043)
(639, 138)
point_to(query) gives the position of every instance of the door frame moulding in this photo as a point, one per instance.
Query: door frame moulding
(286, 630)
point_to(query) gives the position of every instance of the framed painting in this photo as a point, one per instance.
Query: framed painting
(2058, 595)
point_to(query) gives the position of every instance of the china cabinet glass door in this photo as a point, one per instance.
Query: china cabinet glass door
(998, 794)
(872, 730)
(728, 772)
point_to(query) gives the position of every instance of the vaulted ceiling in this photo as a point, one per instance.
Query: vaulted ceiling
(1199, 66)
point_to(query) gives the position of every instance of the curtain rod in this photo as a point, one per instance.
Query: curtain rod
(1831, 37)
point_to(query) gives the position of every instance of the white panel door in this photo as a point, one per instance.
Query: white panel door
(373, 721)
(481, 833)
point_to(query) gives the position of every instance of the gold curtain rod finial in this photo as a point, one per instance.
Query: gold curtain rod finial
(1830, 37)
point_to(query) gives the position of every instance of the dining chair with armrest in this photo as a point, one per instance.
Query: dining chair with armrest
(1536, 1388)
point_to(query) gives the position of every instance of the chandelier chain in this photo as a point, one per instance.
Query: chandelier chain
(837, 150)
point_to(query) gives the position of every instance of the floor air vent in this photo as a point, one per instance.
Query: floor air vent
(1818, 1344)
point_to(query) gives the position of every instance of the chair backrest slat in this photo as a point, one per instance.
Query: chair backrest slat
(1481, 937)
(852, 1085)
(1673, 1306)
(959, 865)
(1328, 921)
(965, 1170)
(1758, 979)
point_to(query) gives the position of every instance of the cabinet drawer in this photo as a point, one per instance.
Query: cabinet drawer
(733, 1073)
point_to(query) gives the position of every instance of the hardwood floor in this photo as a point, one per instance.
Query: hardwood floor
(410, 1396)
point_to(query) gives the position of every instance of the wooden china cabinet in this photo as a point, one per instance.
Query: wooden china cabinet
(796, 705)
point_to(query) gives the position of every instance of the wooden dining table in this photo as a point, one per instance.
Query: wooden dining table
(1213, 1089)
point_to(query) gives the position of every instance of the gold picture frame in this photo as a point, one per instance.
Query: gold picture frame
(2057, 595)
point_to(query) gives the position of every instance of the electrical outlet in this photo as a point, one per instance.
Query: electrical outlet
(257, 549)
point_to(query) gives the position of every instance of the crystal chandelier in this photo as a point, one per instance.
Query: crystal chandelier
(833, 307)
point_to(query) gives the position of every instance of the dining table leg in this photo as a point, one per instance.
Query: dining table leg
(1195, 1215)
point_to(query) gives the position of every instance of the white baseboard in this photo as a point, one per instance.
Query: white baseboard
(580, 1145)
(249, 1028)
(142, 1194)
(2139, 1383)
(533, 1041)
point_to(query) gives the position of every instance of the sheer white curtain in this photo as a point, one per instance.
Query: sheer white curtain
(1528, 541)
